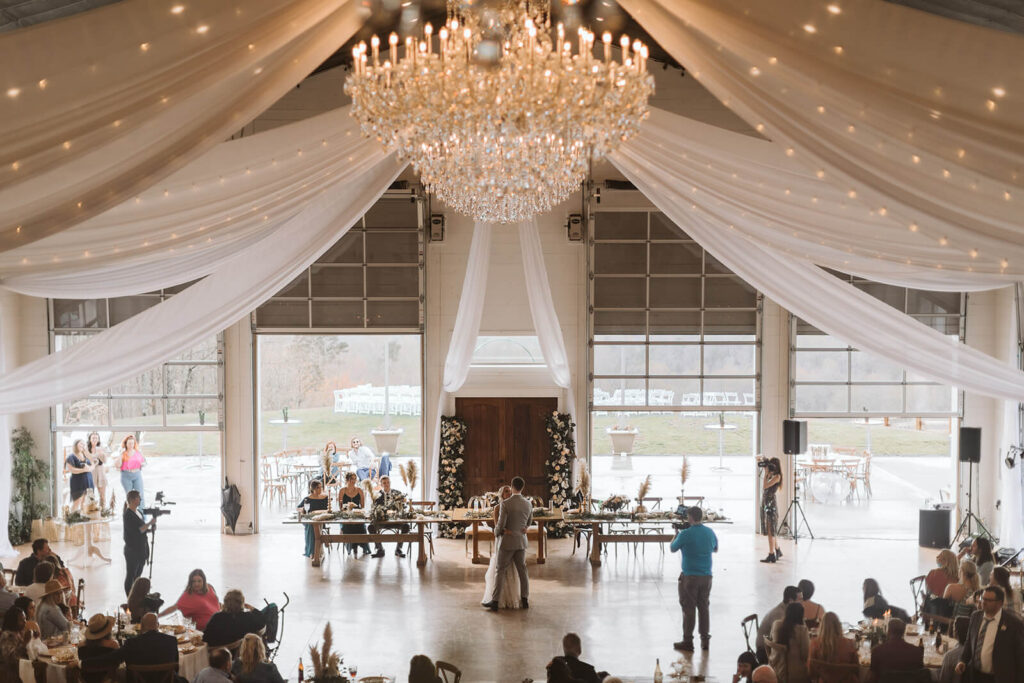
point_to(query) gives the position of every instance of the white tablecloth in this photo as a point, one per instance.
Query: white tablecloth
(188, 666)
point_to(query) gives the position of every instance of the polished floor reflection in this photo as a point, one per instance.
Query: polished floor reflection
(384, 611)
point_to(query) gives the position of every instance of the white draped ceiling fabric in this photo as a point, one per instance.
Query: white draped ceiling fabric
(919, 117)
(100, 106)
(346, 188)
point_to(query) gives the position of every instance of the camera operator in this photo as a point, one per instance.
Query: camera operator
(771, 468)
(136, 544)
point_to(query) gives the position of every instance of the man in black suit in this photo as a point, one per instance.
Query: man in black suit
(572, 648)
(136, 544)
(896, 654)
(387, 497)
(27, 567)
(994, 651)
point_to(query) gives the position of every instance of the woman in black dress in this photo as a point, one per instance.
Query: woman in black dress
(315, 502)
(80, 466)
(351, 497)
(769, 506)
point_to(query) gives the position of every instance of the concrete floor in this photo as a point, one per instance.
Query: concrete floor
(384, 611)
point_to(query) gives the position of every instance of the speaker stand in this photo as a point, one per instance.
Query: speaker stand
(964, 529)
(796, 509)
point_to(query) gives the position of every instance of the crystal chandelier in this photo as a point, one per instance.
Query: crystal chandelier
(498, 112)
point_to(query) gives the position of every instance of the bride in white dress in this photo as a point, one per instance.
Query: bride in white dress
(509, 598)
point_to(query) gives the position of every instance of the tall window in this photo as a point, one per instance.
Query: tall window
(674, 363)
(371, 278)
(831, 378)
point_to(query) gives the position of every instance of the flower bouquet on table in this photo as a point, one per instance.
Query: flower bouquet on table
(614, 503)
(396, 508)
(75, 518)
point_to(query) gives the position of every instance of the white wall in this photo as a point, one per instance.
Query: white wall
(506, 310)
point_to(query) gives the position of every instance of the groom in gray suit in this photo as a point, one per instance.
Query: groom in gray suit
(515, 515)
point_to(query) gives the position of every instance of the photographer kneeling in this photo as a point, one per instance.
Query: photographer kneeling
(136, 545)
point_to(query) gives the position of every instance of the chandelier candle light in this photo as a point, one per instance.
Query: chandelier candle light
(500, 114)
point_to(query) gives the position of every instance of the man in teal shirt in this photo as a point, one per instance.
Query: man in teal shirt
(696, 543)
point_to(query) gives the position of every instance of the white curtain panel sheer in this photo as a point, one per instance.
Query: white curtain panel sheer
(183, 228)
(463, 341)
(830, 304)
(100, 106)
(240, 284)
(919, 116)
(753, 186)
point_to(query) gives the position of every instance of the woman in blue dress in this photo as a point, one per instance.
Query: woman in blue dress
(80, 467)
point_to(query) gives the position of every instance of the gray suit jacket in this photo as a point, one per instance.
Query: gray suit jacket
(514, 516)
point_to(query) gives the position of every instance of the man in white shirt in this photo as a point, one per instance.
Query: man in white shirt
(994, 651)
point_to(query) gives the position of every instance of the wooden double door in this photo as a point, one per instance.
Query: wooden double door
(507, 437)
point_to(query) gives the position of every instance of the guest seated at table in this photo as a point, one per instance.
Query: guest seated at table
(745, 665)
(960, 595)
(219, 670)
(764, 629)
(28, 607)
(790, 661)
(1001, 578)
(13, 645)
(762, 674)
(334, 475)
(197, 602)
(948, 673)
(558, 672)
(386, 497)
(52, 613)
(151, 646)
(252, 665)
(43, 574)
(937, 579)
(26, 568)
(351, 497)
(830, 647)
(980, 552)
(63, 575)
(7, 597)
(896, 654)
(422, 670)
(98, 647)
(316, 501)
(141, 601)
(875, 606)
(813, 612)
(362, 458)
(233, 622)
(572, 649)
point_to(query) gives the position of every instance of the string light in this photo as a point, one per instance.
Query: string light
(13, 92)
(810, 28)
(67, 144)
(990, 105)
(999, 92)
(838, 49)
(754, 71)
(202, 29)
(834, 8)
(144, 47)
(177, 9)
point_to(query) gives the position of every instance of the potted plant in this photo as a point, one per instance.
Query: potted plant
(622, 438)
(27, 475)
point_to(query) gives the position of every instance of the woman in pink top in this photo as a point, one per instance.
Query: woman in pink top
(130, 462)
(198, 602)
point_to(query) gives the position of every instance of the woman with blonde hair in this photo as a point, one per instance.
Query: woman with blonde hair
(252, 665)
(98, 455)
(964, 589)
(830, 647)
(945, 573)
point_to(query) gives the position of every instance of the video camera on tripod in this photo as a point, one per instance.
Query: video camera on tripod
(161, 508)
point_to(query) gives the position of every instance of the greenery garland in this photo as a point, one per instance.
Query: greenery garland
(451, 476)
(559, 467)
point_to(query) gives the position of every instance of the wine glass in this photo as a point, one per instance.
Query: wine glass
(353, 671)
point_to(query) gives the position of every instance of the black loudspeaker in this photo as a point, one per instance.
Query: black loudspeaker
(933, 528)
(970, 444)
(794, 437)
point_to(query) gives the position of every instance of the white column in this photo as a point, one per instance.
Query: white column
(991, 327)
(774, 396)
(240, 456)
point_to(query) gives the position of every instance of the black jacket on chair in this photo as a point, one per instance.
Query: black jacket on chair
(152, 647)
(227, 627)
(1007, 651)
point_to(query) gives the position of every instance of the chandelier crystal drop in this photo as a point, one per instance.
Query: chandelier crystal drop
(499, 113)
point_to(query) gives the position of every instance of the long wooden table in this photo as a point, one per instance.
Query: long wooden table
(463, 515)
(323, 536)
(599, 536)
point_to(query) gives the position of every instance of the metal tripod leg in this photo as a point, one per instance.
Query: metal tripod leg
(795, 530)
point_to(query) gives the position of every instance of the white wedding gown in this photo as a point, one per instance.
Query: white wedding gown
(509, 598)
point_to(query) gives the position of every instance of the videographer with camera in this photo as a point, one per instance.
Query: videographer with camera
(697, 543)
(136, 542)
(771, 468)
